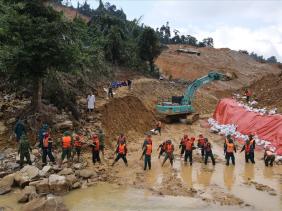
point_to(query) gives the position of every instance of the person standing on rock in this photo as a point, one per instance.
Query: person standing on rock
(268, 157)
(169, 149)
(102, 141)
(78, 141)
(24, 150)
(189, 147)
(91, 102)
(249, 148)
(66, 147)
(229, 149)
(147, 152)
(201, 143)
(208, 152)
(19, 129)
(162, 148)
(182, 145)
(47, 149)
(96, 149)
(121, 152)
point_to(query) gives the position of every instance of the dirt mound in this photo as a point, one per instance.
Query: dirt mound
(190, 67)
(268, 91)
(128, 115)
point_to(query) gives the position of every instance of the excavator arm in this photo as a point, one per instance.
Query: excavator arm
(196, 84)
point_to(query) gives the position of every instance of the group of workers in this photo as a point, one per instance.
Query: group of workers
(72, 144)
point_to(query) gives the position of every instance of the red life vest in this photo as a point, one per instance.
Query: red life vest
(46, 142)
(96, 144)
(149, 149)
(248, 146)
(169, 148)
(121, 149)
(189, 145)
(66, 142)
(201, 141)
(77, 142)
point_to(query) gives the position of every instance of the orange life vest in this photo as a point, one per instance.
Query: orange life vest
(201, 141)
(96, 143)
(230, 147)
(189, 145)
(149, 149)
(66, 142)
(121, 149)
(77, 142)
(46, 142)
(169, 148)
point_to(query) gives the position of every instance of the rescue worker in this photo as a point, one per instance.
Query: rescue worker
(248, 95)
(47, 149)
(162, 147)
(102, 141)
(66, 146)
(208, 152)
(148, 152)
(182, 145)
(189, 147)
(148, 140)
(169, 148)
(121, 152)
(249, 148)
(24, 149)
(268, 157)
(229, 149)
(201, 143)
(158, 127)
(19, 129)
(78, 142)
(96, 149)
(41, 133)
(121, 139)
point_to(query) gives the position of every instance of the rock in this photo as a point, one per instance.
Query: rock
(64, 125)
(3, 174)
(71, 179)
(6, 183)
(22, 179)
(6, 208)
(77, 166)
(44, 171)
(12, 165)
(36, 152)
(76, 185)
(66, 171)
(11, 121)
(32, 158)
(42, 186)
(85, 173)
(45, 204)
(3, 128)
(25, 193)
(30, 171)
(8, 151)
(57, 168)
(58, 184)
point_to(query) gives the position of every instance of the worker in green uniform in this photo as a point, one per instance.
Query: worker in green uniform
(24, 149)
(101, 136)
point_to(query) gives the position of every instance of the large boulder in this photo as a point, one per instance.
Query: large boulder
(6, 183)
(27, 194)
(86, 173)
(44, 171)
(12, 165)
(31, 171)
(71, 179)
(21, 179)
(66, 171)
(42, 186)
(58, 184)
(45, 204)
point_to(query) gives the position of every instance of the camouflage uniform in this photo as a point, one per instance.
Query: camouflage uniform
(24, 150)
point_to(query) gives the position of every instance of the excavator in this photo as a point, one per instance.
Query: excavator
(180, 107)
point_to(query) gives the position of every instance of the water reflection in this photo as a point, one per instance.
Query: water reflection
(229, 178)
(204, 175)
(249, 172)
(186, 174)
(268, 172)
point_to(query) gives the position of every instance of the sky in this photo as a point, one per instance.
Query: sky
(252, 25)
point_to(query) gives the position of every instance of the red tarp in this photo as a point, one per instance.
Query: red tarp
(267, 127)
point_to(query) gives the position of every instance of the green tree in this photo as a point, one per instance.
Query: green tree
(149, 46)
(37, 41)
